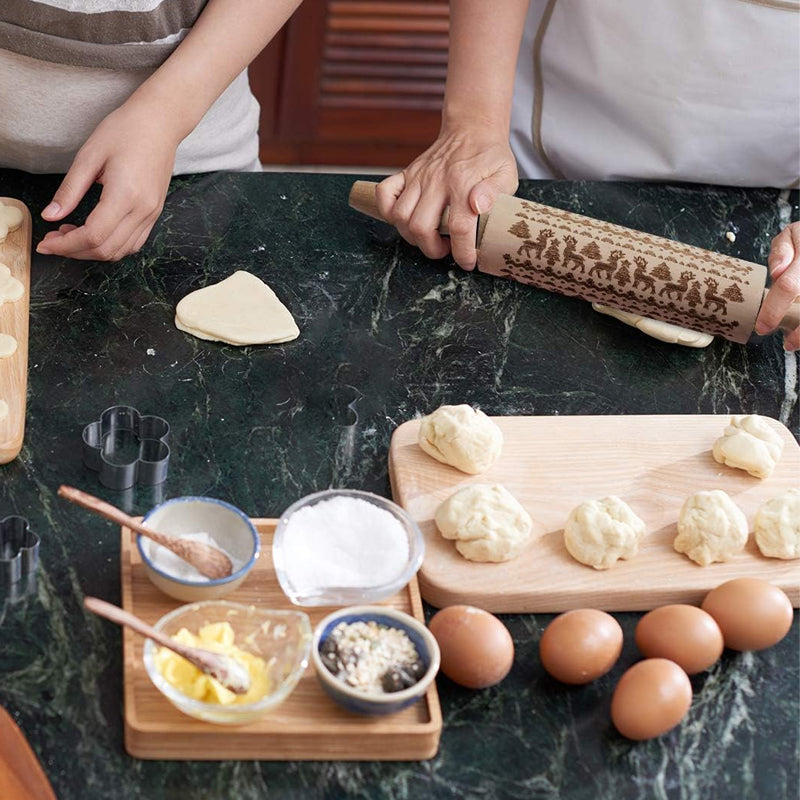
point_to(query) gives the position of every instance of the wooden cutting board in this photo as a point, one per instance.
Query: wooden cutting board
(15, 253)
(308, 725)
(21, 774)
(551, 464)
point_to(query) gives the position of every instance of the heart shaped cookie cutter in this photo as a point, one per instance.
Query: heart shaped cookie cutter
(125, 448)
(19, 549)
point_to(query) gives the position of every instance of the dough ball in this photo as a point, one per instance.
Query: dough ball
(10, 288)
(10, 220)
(663, 331)
(461, 436)
(749, 443)
(777, 526)
(487, 522)
(240, 310)
(600, 532)
(8, 345)
(711, 527)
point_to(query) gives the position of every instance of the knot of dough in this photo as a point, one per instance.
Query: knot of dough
(487, 522)
(751, 444)
(461, 436)
(10, 220)
(711, 527)
(600, 532)
(777, 526)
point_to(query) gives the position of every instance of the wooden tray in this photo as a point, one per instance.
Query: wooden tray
(15, 253)
(306, 726)
(551, 464)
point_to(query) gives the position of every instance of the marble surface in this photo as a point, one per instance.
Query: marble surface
(385, 335)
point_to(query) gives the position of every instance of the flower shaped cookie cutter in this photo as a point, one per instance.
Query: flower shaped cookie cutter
(19, 549)
(126, 448)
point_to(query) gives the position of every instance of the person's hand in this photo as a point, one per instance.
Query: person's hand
(784, 266)
(131, 153)
(465, 169)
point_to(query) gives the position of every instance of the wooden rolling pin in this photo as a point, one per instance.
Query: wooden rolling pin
(616, 266)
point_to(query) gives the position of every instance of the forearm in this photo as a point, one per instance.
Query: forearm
(484, 44)
(227, 36)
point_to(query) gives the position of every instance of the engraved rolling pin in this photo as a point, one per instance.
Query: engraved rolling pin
(616, 266)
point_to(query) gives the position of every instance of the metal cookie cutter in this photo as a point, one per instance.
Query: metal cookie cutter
(126, 448)
(19, 550)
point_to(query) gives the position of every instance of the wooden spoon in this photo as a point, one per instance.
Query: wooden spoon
(208, 560)
(228, 671)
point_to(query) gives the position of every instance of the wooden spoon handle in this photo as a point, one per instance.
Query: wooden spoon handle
(122, 617)
(114, 514)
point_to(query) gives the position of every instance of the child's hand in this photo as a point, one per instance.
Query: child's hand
(131, 153)
(784, 266)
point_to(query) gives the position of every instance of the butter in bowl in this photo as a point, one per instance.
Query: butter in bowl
(272, 645)
(345, 547)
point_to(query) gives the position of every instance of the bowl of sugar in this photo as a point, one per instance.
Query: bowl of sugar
(345, 547)
(202, 519)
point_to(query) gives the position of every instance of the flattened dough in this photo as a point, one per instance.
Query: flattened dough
(600, 532)
(240, 310)
(10, 288)
(8, 345)
(751, 444)
(711, 527)
(10, 220)
(777, 526)
(487, 522)
(461, 436)
(3, 409)
(664, 331)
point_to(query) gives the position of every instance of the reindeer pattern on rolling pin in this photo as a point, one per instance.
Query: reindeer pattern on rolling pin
(579, 256)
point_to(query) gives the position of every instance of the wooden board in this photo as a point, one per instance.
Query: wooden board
(551, 464)
(306, 726)
(15, 253)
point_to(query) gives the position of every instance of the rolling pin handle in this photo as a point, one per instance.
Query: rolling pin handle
(791, 319)
(362, 198)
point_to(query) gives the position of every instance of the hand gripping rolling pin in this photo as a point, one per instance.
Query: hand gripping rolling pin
(619, 267)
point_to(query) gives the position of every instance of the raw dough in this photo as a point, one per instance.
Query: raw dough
(751, 444)
(711, 527)
(3, 409)
(600, 532)
(240, 310)
(461, 436)
(487, 522)
(777, 526)
(10, 220)
(8, 345)
(665, 331)
(10, 288)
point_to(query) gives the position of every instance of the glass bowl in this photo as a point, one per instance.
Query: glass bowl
(303, 592)
(369, 703)
(230, 527)
(281, 638)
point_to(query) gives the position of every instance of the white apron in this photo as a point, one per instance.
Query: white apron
(674, 90)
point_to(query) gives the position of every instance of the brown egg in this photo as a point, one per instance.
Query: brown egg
(579, 646)
(686, 635)
(477, 649)
(651, 697)
(751, 613)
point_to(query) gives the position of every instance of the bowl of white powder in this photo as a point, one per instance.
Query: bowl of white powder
(345, 547)
(201, 519)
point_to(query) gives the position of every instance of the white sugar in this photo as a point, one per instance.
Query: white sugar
(344, 542)
(173, 565)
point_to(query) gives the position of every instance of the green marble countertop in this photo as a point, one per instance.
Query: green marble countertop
(384, 335)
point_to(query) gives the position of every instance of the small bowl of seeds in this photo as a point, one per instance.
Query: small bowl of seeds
(374, 659)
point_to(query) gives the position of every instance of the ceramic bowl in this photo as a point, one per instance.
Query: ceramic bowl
(281, 638)
(302, 593)
(372, 704)
(229, 526)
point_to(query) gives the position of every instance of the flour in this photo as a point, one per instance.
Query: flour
(166, 561)
(344, 542)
